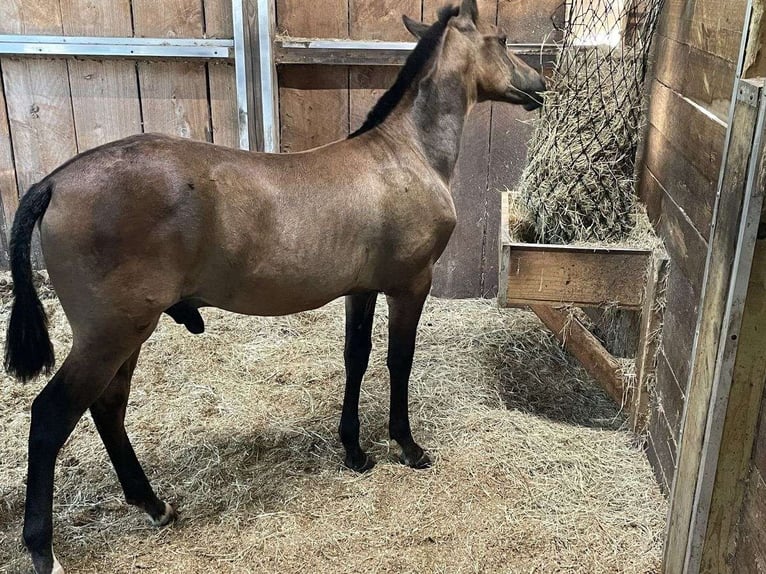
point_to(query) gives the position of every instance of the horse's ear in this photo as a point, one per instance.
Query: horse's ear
(469, 9)
(414, 27)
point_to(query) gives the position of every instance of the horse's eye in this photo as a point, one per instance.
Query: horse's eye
(503, 40)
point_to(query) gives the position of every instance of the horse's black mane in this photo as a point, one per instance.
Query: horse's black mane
(418, 58)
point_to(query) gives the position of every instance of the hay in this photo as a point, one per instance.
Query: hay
(579, 184)
(534, 471)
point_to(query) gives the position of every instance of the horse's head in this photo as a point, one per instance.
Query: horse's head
(480, 50)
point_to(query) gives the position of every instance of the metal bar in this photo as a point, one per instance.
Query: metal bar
(241, 73)
(330, 51)
(106, 47)
(268, 77)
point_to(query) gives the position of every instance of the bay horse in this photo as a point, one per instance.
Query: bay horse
(152, 224)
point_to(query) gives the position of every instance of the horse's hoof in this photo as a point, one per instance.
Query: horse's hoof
(167, 517)
(360, 466)
(422, 461)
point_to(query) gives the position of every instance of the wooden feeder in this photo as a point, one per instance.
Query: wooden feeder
(552, 279)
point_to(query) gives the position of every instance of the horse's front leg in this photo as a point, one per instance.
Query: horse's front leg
(360, 310)
(404, 315)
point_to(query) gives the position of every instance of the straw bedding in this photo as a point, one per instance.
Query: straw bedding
(533, 471)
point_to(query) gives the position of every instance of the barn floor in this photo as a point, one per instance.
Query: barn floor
(533, 471)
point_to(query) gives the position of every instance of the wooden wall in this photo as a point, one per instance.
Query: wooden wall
(319, 104)
(696, 53)
(51, 109)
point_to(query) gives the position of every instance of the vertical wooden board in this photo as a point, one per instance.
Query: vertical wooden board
(381, 19)
(375, 21)
(669, 396)
(487, 9)
(328, 17)
(526, 22)
(220, 77)
(30, 17)
(104, 101)
(40, 115)
(313, 106)
(458, 272)
(722, 250)
(89, 18)
(223, 103)
(740, 420)
(218, 22)
(9, 194)
(168, 19)
(680, 321)
(104, 93)
(173, 94)
(750, 556)
(688, 187)
(313, 100)
(174, 99)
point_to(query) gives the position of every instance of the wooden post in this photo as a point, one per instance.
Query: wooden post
(728, 263)
(648, 341)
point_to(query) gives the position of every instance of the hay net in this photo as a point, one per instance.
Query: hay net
(579, 185)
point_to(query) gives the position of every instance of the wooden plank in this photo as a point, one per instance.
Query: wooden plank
(167, 19)
(104, 93)
(375, 21)
(713, 26)
(684, 183)
(679, 323)
(173, 94)
(314, 100)
(38, 98)
(746, 344)
(698, 136)
(586, 348)
(650, 333)
(702, 77)
(220, 75)
(218, 22)
(684, 243)
(759, 451)
(586, 277)
(9, 193)
(717, 280)
(669, 396)
(750, 557)
(661, 449)
(531, 21)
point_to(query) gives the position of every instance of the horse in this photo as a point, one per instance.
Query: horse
(153, 224)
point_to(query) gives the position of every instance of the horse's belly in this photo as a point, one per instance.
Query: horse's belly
(275, 294)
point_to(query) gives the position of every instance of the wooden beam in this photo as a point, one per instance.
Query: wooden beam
(585, 347)
(337, 52)
(648, 341)
(689, 501)
(581, 276)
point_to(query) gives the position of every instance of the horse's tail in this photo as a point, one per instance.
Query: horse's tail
(28, 349)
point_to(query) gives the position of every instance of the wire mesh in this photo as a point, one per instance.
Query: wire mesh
(580, 182)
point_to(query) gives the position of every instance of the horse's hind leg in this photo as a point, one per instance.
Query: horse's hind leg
(109, 415)
(403, 318)
(86, 372)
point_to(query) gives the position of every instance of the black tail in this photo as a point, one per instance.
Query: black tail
(28, 349)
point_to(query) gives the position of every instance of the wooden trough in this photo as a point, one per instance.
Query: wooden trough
(553, 280)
